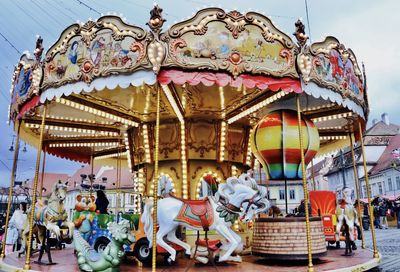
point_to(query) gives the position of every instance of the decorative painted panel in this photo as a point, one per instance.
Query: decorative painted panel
(95, 49)
(335, 67)
(234, 42)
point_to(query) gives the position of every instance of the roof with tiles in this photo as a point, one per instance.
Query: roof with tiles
(48, 180)
(387, 159)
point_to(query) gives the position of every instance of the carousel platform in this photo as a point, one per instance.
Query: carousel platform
(334, 261)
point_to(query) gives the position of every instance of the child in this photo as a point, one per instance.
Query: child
(12, 238)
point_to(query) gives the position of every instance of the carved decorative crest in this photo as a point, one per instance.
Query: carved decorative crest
(156, 20)
(300, 33)
(39, 49)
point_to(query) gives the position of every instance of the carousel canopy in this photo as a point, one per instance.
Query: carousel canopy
(216, 71)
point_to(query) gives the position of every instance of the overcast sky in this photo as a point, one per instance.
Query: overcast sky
(370, 28)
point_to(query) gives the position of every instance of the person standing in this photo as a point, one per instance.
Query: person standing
(18, 219)
(377, 222)
(19, 216)
(12, 238)
(397, 212)
(383, 214)
(101, 202)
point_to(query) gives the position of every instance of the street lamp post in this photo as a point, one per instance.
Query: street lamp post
(342, 167)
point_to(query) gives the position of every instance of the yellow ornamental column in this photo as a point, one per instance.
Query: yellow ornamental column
(376, 254)
(13, 174)
(27, 265)
(357, 190)
(305, 189)
(155, 181)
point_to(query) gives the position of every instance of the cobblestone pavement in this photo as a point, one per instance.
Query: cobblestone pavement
(388, 243)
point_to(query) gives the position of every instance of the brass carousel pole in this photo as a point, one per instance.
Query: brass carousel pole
(357, 190)
(157, 132)
(305, 189)
(13, 174)
(376, 254)
(27, 265)
(91, 172)
(42, 174)
(117, 185)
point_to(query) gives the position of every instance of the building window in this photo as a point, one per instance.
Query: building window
(390, 186)
(398, 182)
(365, 190)
(380, 189)
(132, 199)
(281, 194)
(292, 194)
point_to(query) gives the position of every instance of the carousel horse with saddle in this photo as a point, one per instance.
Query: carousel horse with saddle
(237, 198)
(51, 217)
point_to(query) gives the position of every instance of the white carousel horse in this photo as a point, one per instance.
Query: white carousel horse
(51, 217)
(346, 213)
(232, 200)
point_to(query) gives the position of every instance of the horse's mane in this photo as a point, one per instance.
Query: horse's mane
(53, 197)
(252, 183)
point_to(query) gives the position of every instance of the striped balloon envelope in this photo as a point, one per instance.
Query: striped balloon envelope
(275, 143)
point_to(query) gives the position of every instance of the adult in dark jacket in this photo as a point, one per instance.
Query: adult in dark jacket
(302, 209)
(397, 212)
(101, 202)
(377, 221)
(383, 214)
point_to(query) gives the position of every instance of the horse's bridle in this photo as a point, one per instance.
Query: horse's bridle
(234, 209)
(252, 201)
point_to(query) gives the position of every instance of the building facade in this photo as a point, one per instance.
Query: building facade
(276, 191)
(376, 141)
(384, 177)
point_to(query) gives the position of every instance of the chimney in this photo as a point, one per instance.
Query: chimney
(385, 118)
(374, 121)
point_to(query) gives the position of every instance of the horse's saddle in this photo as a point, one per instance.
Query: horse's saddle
(197, 213)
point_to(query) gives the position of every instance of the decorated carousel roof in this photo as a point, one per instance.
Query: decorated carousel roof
(99, 82)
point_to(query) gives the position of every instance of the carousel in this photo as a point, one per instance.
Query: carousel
(198, 106)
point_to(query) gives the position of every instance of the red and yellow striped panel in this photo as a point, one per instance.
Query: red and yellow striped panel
(323, 202)
(275, 141)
